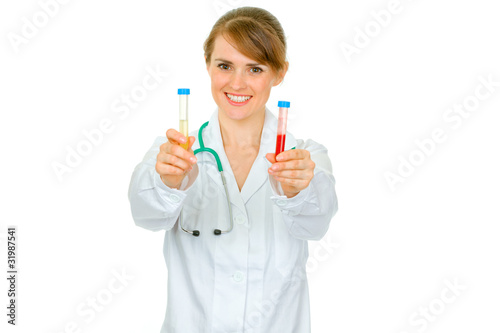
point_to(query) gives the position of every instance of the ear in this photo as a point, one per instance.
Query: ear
(281, 75)
(208, 65)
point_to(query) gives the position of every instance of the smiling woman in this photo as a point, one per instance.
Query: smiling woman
(245, 55)
(239, 81)
(251, 277)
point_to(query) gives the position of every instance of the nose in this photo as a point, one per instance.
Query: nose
(238, 81)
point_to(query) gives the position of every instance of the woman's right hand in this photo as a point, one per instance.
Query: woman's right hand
(174, 162)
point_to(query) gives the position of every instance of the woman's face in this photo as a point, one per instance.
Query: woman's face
(240, 86)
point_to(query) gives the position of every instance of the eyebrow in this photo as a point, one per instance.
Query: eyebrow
(230, 63)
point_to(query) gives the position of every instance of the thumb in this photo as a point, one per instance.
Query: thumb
(191, 139)
(271, 157)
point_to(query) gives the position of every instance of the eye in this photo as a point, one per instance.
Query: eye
(223, 66)
(256, 70)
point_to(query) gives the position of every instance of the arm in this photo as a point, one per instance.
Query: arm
(309, 203)
(154, 205)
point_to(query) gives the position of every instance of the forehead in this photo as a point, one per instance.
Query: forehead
(224, 50)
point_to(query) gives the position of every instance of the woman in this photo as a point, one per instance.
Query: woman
(250, 277)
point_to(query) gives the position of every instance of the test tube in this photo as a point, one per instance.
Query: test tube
(183, 114)
(283, 115)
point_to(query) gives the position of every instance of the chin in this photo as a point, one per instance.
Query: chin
(234, 113)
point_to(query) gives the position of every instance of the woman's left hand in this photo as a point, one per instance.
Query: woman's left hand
(294, 169)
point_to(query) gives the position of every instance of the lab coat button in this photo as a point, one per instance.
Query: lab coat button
(240, 219)
(238, 276)
(281, 202)
(174, 198)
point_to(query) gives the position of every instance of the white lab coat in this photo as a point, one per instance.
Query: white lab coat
(252, 279)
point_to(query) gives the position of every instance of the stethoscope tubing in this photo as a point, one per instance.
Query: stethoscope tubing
(202, 148)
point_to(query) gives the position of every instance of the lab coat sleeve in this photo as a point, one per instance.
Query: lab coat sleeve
(154, 205)
(308, 214)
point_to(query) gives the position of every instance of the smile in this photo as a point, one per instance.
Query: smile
(238, 100)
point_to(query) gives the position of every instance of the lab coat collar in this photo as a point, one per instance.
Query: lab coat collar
(258, 175)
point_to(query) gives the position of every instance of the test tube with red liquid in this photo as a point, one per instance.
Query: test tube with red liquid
(282, 118)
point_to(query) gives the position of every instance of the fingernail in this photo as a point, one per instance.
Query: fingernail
(193, 159)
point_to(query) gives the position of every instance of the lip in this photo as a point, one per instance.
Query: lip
(236, 94)
(236, 103)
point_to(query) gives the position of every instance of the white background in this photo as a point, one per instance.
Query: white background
(395, 248)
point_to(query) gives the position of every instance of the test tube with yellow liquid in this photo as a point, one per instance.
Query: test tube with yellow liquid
(183, 114)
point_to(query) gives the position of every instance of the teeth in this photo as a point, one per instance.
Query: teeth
(238, 99)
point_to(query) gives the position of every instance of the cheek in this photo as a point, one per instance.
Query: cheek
(264, 85)
(217, 80)
(263, 88)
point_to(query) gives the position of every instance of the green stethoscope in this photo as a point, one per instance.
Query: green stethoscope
(219, 166)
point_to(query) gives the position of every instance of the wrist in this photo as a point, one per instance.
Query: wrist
(173, 186)
(290, 194)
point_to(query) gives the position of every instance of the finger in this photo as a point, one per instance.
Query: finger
(174, 160)
(293, 182)
(168, 169)
(167, 146)
(271, 157)
(175, 137)
(292, 154)
(290, 165)
(292, 174)
(192, 139)
(183, 154)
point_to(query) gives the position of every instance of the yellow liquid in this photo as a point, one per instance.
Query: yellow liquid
(183, 128)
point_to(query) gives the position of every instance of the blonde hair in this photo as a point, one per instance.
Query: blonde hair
(254, 32)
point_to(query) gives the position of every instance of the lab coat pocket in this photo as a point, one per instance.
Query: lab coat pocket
(289, 251)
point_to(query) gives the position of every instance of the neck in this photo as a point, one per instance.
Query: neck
(242, 133)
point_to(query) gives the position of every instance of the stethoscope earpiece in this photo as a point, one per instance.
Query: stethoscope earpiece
(196, 233)
(217, 232)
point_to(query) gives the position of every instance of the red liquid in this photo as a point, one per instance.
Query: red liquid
(280, 143)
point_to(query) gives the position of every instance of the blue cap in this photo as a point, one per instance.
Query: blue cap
(283, 104)
(183, 91)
